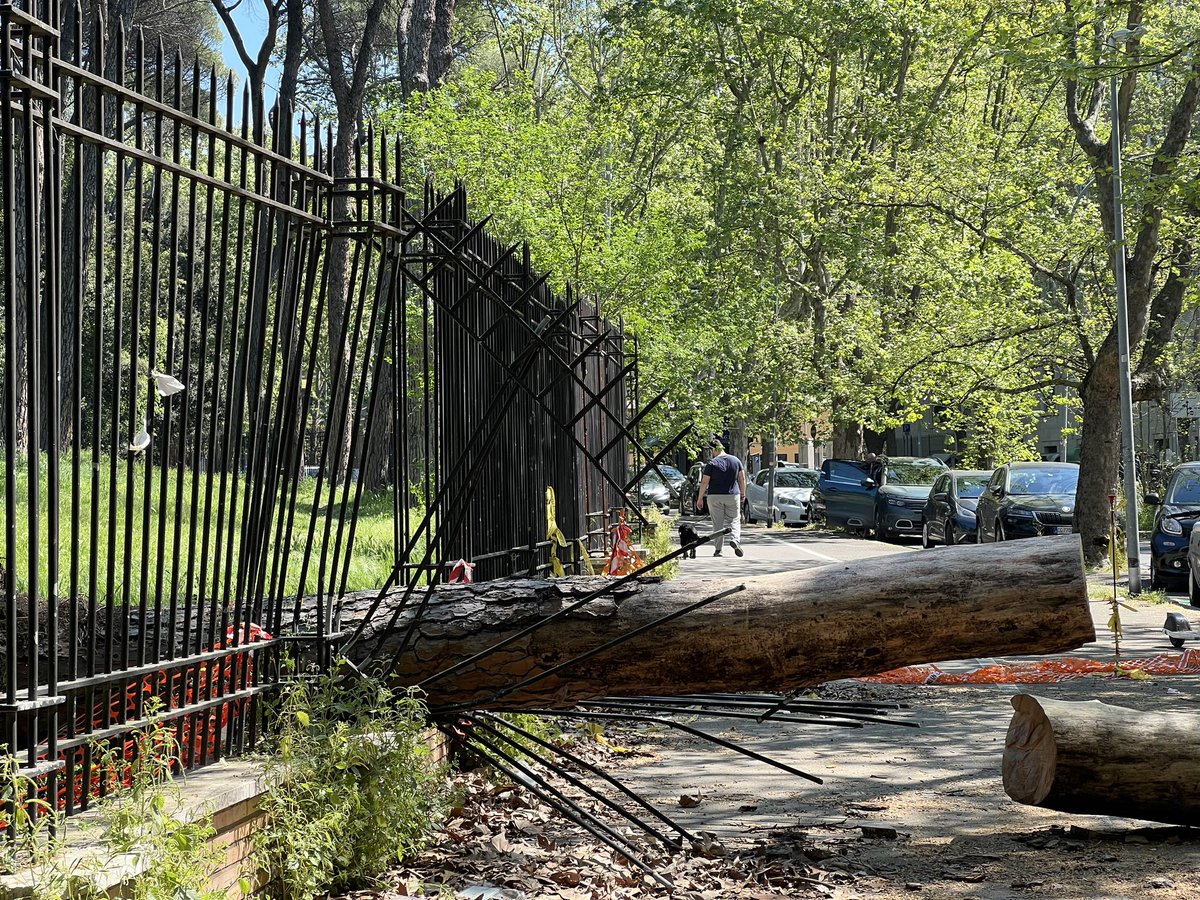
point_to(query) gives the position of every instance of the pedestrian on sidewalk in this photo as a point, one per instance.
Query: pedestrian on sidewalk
(722, 487)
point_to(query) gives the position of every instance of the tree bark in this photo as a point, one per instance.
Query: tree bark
(1096, 759)
(781, 632)
(847, 440)
(1099, 451)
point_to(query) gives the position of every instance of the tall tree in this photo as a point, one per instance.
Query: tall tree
(1158, 258)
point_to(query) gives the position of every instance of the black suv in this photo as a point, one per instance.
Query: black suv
(1028, 499)
(1178, 510)
(886, 496)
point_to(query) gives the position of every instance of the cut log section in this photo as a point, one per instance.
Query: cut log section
(1097, 759)
(781, 632)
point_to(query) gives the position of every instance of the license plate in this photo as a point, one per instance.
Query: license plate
(1063, 529)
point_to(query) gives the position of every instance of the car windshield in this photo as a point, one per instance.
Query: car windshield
(1185, 488)
(971, 486)
(1043, 481)
(795, 479)
(916, 473)
(671, 473)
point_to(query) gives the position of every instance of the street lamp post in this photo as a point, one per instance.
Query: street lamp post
(1129, 459)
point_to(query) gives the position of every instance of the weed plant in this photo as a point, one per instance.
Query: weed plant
(143, 821)
(657, 541)
(354, 788)
(36, 849)
(144, 818)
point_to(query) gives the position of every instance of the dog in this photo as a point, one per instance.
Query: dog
(687, 535)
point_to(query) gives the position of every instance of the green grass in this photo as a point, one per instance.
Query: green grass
(370, 563)
(1099, 592)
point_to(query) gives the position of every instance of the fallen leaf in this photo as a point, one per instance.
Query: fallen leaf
(706, 844)
(688, 801)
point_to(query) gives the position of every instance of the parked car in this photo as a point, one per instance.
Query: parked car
(1193, 566)
(674, 477)
(653, 491)
(1028, 499)
(950, 510)
(1178, 510)
(886, 496)
(793, 491)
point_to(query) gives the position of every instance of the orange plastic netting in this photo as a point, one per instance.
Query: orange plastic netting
(1043, 671)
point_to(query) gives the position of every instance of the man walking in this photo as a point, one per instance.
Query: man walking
(722, 487)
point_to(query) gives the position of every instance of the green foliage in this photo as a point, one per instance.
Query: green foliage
(145, 827)
(657, 541)
(37, 848)
(543, 727)
(353, 786)
(857, 215)
(145, 820)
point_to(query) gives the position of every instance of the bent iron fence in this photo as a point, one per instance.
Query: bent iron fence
(223, 368)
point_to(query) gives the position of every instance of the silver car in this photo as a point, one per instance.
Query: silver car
(793, 491)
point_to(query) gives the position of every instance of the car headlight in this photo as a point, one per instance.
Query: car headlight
(1019, 514)
(895, 501)
(1170, 525)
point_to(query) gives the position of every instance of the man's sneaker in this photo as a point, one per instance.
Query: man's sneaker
(737, 548)
(716, 553)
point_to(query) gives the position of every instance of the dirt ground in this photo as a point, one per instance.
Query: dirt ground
(902, 812)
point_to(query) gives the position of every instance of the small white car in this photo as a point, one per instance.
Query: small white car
(793, 491)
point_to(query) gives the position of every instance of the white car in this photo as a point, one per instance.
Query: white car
(793, 491)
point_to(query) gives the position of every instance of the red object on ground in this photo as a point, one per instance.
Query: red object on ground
(624, 560)
(1042, 672)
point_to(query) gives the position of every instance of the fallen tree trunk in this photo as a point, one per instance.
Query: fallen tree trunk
(781, 632)
(1093, 758)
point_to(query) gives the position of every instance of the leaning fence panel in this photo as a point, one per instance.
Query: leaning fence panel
(239, 387)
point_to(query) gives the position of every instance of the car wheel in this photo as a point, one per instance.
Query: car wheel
(926, 543)
(1193, 590)
(881, 532)
(1156, 581)
(949, 535)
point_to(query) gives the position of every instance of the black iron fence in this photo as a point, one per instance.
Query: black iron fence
(232, 380)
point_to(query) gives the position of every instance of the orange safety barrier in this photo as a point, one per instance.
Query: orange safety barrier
(625, 559)
(194, 733)
(1043, 671)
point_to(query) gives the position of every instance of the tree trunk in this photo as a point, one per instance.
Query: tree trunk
(847, 440)
(739, 441)
(338, 299)
(1096, 759)
(377, 471)
(1099, 452)
(781, 632)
